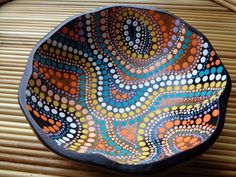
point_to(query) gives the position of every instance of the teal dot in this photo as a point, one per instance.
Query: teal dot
(131, 121)
(188, 33)
(213, 70)
(219, 69)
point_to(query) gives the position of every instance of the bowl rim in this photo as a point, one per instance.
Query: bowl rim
(100, 160)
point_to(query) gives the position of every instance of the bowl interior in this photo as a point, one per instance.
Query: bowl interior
(134, 85)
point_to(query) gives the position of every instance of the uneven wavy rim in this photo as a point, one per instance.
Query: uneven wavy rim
(100, 160)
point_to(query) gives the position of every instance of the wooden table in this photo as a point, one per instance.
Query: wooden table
(23, 23)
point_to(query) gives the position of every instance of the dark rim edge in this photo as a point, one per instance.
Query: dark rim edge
(100, 160)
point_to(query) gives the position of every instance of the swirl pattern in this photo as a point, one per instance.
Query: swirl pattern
(134, 85)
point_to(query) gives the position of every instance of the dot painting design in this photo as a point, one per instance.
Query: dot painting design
(134, 85)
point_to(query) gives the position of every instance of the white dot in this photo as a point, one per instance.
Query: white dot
(28, 93)
(183, 81)
(203, 59)
(69, 135)
(72, 131)
(205, 52)
(212, 77)
(138, 104)
(65, 138)
(69, 119)
(218, 77)
(62, 114)
(205, 45)
(198, 79)
(46, 108)
(34, 99)
(223, 77)
(73, 125)
(176, 82)
(199, 66)
(109, 108)
(194, 72)
(205, 78)
(133, 107)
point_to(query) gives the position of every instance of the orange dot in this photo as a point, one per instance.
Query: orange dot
(184, 122)
(73, 91)
(217, 62)
(101, 146)
(58, 123)
(190, 59)
(36, 113)
(113, 92)
(66, 75)
(131, 136)
(179, 139)
(177, 122)
(71, 33)
(41, 70)
(213, 53)
(44, 117)
(198, 121)
(124, 132)
(170, 67)
(65, 30)
(160, 136)
(193, 51)
(194, 42)
(50, 71)
(73, 84)
(51, 121)
(53, 81)
(169, 124)
(46, 75)
(184, 148)
(160, 22)
(185, 65)
(215, 113)
(29, 108)
(186, 139)
(208, 65)
(163, 28)
(118, 96)
(162, 129)
(66, 88)
(59, 85)
(177, 67)
(180, 144)
(193, 140)
(73, 77)
(58, 74)
(157, 16)
(197, 143)
(36, 64)
(207, 118)
(127, 78)
(56, 127)
(124, 96)
(45, 129)
(51, 129)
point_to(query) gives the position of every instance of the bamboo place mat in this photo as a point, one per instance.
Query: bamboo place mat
(23, 23)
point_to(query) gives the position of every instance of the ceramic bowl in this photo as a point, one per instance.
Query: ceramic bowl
(132, 89)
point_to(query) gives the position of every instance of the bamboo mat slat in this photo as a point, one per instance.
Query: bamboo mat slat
(23, 23)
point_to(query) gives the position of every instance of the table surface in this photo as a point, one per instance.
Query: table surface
(23, 23)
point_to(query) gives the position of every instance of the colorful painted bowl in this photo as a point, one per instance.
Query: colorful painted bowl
(136, 90)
